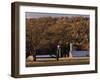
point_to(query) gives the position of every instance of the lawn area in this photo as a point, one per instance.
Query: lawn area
(54, 62)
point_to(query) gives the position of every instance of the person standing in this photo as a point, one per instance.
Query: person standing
(70, 52)
(67, 48)
(58, 51)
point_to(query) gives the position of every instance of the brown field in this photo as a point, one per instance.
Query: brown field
(54, 62)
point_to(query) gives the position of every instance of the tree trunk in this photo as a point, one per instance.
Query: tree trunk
(34, 55)
(57, 55)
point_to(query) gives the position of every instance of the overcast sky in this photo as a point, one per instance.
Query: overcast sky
(38, 15)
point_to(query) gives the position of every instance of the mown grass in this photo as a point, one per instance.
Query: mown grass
(62, 61)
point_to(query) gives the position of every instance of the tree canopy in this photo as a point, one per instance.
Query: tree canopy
(46, 32)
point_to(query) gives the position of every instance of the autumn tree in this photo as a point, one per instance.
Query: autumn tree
(46, 32)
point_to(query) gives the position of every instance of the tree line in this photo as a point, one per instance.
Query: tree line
(47, 32)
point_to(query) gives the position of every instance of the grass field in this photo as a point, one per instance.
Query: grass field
(54, 62)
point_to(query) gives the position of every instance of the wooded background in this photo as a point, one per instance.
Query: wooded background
(47, 32)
